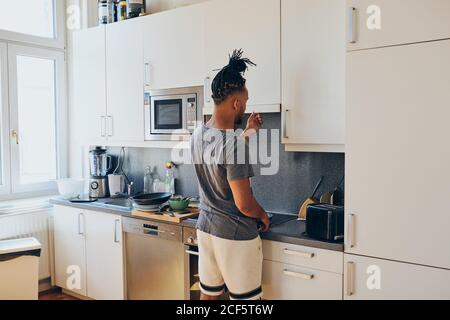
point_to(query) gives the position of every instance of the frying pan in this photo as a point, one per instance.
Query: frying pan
(152, 198)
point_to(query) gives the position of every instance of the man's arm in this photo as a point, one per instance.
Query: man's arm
(246, 202)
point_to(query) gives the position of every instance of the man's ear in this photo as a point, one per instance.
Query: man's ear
(236, 104)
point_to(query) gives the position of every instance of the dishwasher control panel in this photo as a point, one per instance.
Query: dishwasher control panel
(153, 229)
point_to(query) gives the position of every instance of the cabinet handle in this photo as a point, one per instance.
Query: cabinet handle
(15, 135)
(193, 253)
(350, 233)
(350, 290)
(103, 126)
(352, 17)
(110, 126)
(307, 255)
(300, 275)
(80, 224)
(207, 90)
(285, 115)
(147, 73)
(116, 232)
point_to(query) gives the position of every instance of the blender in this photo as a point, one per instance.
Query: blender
(100, 164)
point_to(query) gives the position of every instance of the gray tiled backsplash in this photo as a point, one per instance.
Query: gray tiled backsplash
(283, 192)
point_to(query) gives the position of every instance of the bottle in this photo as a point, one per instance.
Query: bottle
(170, 179)
(148, 180)
(135, 8)
(105, 12)
(122, 10)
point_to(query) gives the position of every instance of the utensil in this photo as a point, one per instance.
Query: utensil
(311, 200)
(337, 197)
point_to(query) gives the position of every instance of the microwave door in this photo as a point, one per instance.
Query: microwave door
(167, 115)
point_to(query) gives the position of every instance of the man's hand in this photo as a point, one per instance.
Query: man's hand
(266, 223)
(254, 123)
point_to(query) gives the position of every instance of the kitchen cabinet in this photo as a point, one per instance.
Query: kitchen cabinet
(382, 23)
(174, 48)
(313, 77)
(289, 282)
(89, 86)
(89, 245)
(255, 28)
(125, 81)
(376, 279)
(397, 173)
(105, 262)
(69, 249)
(293, 272)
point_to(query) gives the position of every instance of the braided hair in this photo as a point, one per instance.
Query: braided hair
(230, 79)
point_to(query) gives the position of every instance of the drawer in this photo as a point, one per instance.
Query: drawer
(288, 282)
(320, 259)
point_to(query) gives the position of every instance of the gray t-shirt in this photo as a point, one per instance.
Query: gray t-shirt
(219, 157)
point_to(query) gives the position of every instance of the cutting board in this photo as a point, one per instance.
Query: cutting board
(166, 217)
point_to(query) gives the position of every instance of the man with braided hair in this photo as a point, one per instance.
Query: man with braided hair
(228, 235)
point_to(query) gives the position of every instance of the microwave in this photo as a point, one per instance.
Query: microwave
(172, 114)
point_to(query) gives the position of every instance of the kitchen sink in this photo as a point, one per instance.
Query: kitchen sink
(117, 203)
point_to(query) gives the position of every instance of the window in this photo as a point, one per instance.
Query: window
(36, 17)
(33, 129)
(33, 21)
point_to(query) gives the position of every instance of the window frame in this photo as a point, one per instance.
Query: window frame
(49, 187)
(5, 159)
(58, 42)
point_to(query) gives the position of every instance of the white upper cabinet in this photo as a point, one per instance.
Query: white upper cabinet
(125, 81)
(313, 77)
(88, 114)
(174, 48)
(397, 157)
(254, 26)
(379, 23)
(376, 279)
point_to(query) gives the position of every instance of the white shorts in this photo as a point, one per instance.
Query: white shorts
(233, 265)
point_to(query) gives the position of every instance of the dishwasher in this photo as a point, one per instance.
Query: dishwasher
(155, 260)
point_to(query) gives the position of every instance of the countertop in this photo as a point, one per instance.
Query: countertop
(285, 228)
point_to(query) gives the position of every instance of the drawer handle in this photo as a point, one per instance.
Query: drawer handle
(307, 255)
(300, 275)
(193, 253)
(350, 290)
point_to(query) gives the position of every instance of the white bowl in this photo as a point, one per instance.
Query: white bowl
(71, 188)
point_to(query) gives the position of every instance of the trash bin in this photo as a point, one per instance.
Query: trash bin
(19, 269)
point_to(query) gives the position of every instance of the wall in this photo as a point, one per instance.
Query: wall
(153, 6)
(283, 192)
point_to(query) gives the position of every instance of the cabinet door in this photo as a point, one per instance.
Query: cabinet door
(396, 156)
(313, 80)
(375, 279)
(125, 81)
(104, 254)
(378, 23)
(174, 48)
(89, 86)
(70, 254)
(255, 28)
(289, 282)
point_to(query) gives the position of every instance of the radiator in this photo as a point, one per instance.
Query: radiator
(26, 223)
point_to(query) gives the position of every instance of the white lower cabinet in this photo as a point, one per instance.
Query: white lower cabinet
(104, 256)
(376, 279)
(289, 282)
(89, 253)
(70, 249)
(293, 272)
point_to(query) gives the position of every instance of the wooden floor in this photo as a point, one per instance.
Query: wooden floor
(55, 295)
